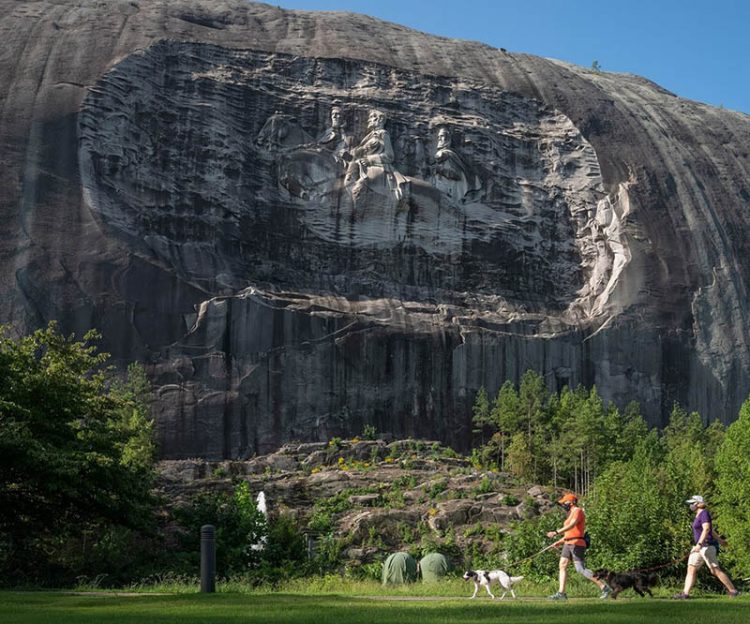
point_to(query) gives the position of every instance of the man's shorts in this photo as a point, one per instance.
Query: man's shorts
(577, 553)
(707, 554)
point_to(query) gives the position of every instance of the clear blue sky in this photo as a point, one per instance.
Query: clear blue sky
(698, 49)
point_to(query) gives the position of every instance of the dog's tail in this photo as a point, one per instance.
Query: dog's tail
(515, 579)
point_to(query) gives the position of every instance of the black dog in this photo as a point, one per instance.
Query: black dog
(639, 581)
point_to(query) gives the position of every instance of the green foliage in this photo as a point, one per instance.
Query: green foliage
(636, 480)
(564, 438)
(366, 571)
(633, 519)
(407, 533)
(475, 530)
(248, 544)
(239, 525)
(404, 481)
(448, 453)
(284, 555)
(481, 412)
(505, 418)
(495, 533)
(510, 500)
(393, 498)
(485, 486)
(527, 538)
(436, 488)
(733, 490)
(519, 458)
(76, 451)
(320, 521)
(328, 553)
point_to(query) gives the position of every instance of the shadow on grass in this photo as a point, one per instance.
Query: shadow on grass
(35, 608)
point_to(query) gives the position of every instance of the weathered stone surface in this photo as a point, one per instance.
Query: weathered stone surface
(206, 183)
(454, 513)
(368, 507)
(365, 500)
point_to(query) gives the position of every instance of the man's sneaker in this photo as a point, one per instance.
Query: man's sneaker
(681, 596)
(606, 591)
(559, 596)
(733, 594)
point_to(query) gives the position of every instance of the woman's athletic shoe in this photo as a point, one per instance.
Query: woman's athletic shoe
(559, 596)
(681, 596)
(733, 594)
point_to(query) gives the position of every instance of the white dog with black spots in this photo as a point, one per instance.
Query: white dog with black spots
(485, 578)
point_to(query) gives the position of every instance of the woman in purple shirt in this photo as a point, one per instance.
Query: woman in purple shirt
(704, 550)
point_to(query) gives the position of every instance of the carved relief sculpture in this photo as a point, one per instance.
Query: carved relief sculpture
(335, 139)
(452, 176)
(371, 169)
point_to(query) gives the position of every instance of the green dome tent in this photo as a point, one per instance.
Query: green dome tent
(399, 568)
(434, 567)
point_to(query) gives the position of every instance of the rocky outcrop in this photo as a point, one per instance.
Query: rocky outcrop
(374, 497)
(307, 223)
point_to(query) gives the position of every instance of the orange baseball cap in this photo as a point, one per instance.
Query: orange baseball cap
(568, 498)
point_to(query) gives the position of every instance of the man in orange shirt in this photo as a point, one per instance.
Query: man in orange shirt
(574, 547)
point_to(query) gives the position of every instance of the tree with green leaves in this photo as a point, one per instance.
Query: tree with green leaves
(76, 448)
(733, 489)
(624, 431)
(562, 409)
(519, 458)
(533, 418)
(481, 417)
(588, 430)
(240, 529)
(689, 453)
(632, 519)
(505, 416)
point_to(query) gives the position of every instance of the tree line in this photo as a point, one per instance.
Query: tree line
(633, 479)
(562, 438)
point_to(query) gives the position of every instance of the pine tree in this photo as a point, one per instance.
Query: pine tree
(532, 397)
(505, 415)
(519, 458)
(481, 413)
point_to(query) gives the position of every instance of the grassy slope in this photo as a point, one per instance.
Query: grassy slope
(27, 608)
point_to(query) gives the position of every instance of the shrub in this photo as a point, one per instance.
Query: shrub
(510, 500)
(239, 525)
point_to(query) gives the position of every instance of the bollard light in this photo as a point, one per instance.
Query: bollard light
(208, 559)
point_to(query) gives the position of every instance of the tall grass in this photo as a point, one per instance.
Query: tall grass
(452, 586)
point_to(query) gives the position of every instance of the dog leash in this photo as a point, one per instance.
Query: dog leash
(650, 569)
(520, 561)
(663, 565)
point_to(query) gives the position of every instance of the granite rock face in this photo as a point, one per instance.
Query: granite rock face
(398, 492)
(306, 223)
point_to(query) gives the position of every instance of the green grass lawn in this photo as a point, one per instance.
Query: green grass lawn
(66, 608)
